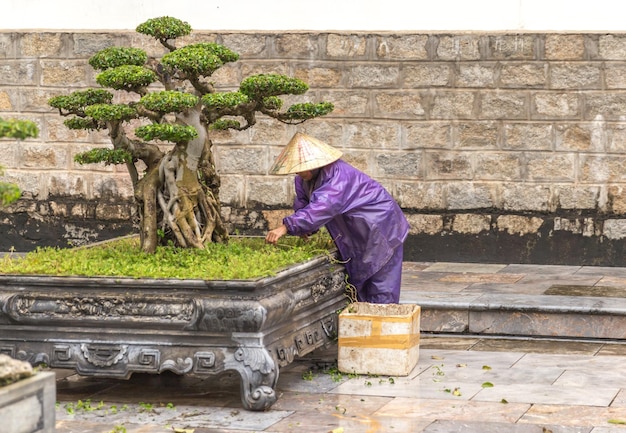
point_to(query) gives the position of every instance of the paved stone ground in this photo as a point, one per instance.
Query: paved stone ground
(483, 383)
(459, 385)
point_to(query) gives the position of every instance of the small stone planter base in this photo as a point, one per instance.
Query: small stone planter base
(27, 406)
(111, 327)
(380, 339)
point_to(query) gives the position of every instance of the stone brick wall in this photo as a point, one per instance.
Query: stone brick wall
(498, 146)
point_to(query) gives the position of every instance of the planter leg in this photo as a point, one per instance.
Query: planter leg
(259, 375)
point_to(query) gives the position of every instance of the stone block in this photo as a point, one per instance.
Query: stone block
(524, 75)
(346, 46)
(459, 47)
(27, 406)
(565, 47)
(379, 338)
(405, 47)
(512, 47)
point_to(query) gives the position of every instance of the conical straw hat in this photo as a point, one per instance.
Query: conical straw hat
(303, 153)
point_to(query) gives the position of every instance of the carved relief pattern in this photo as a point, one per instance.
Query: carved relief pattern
(232, 318)
(307, 340)
(327, 284)
(103, 355)
(149, 358)
(256, 359)
(205, 361)
(35, 307)
(178, 365)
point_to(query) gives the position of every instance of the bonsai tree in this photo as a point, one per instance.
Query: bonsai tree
(19, 129)
(177, 191)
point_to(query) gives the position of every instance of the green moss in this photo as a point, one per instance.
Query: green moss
(242, 259)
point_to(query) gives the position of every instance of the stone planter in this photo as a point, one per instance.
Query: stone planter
(27, 406)
(113, 327)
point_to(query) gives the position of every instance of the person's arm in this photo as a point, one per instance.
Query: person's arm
(327, 201)
(273, 235)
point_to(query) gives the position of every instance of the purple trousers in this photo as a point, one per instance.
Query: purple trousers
(384, 286)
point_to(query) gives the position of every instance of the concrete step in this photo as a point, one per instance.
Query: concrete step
(523, 315)
(518, 299)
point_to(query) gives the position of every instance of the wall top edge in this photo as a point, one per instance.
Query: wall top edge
(331, 31)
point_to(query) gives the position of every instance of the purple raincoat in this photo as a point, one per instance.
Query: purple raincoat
(365, 222)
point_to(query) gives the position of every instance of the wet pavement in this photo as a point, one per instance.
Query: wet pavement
(504, 348)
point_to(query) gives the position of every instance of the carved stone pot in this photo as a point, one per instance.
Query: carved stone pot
(113, 327)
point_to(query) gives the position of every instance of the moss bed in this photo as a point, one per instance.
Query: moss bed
(243, 258)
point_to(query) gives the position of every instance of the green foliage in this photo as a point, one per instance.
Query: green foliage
(164, 28)
(263, 85)
(224, 124)
(82, 123)
(167, 132)
(272, 103)
(308, 110)
(8, 193)
(126, 77)
(20, 129)
(199, 59)
(221, 100)
(108, 156)
(113, 57)
(76, 101)
(109, 112)
(169, 101)
(240, 259)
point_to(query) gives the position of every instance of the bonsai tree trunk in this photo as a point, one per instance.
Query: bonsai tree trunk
(178, 200)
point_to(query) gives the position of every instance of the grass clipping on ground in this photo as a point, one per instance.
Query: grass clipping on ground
(243, 258)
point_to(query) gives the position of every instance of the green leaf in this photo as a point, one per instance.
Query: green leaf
(486, 367)
(487, 385)
(616, 421)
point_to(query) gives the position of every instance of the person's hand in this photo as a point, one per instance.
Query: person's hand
(273, 235)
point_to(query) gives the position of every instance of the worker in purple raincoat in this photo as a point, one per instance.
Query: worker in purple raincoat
(366, 223)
